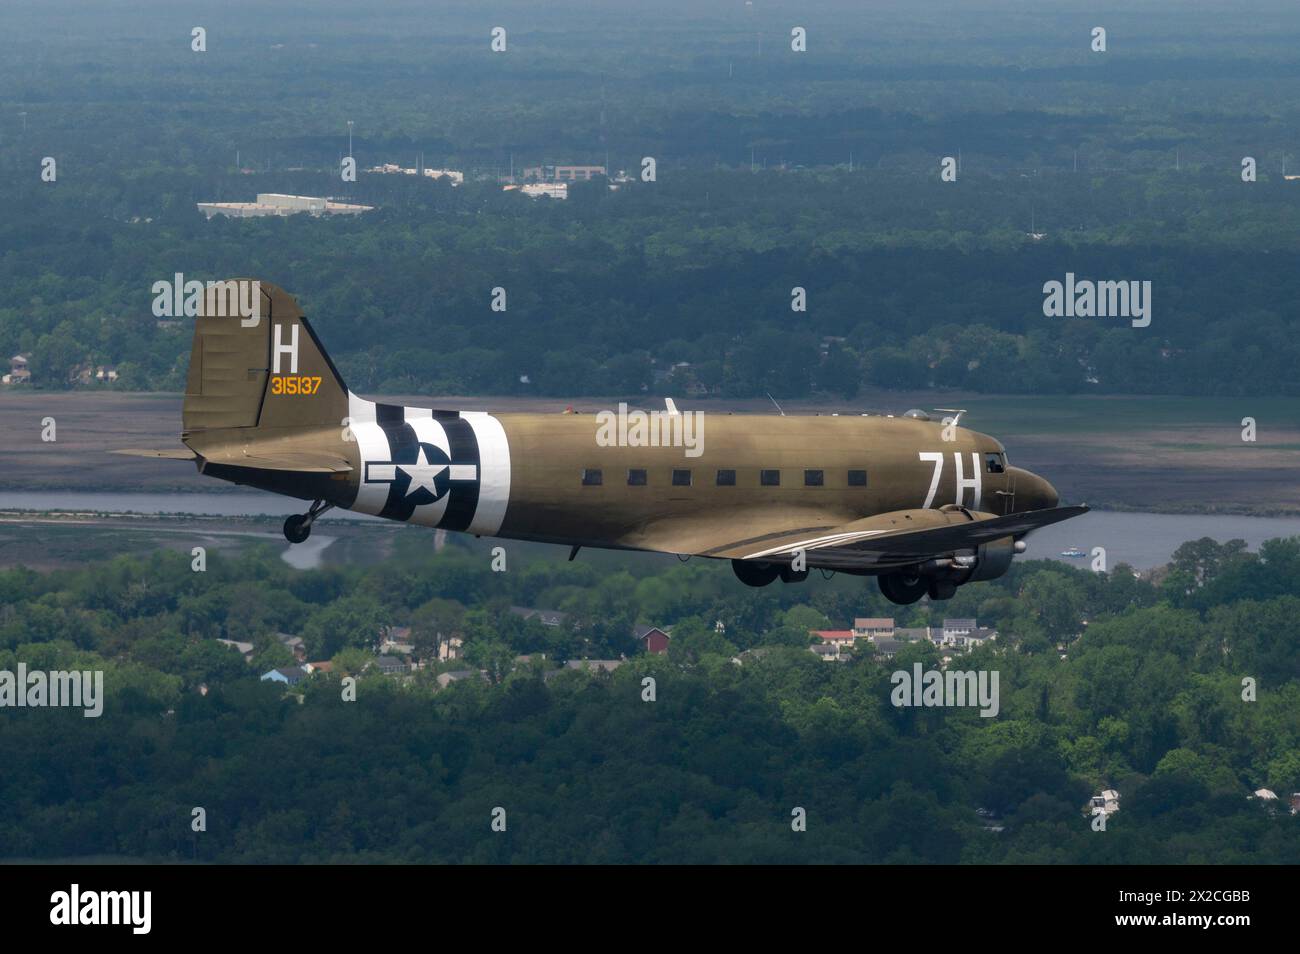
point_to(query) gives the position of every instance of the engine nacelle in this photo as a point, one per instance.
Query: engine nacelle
(992, 559)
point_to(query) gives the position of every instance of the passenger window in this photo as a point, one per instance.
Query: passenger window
(813, 478)
(769, 478)
(681, 478)
(636, 478)
(591, 478)
(726, 478)
(857, 478)
(995, 463)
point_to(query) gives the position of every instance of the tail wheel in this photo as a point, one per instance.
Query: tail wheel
(297, 529)
(755, 574)
(902, 587)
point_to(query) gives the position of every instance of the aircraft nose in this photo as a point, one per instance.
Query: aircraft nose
(1033, 492)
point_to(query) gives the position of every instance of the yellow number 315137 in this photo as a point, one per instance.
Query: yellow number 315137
(295, 384)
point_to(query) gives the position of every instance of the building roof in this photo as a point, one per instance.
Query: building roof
(291, 674)
(958, 623)
(642, 631)
(389, 664)
(833, 635)
(608, 665)
(446, 678)
(887, 647)
(545, 617)
(874, 622)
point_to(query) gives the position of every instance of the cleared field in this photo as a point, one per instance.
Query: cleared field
(52, 542)
(1161, 454)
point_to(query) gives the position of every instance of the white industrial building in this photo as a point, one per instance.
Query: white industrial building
(275, 203)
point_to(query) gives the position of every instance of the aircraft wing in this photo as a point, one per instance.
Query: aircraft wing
(899, 538)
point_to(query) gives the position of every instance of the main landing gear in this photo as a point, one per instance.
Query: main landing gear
(752, 573)
(903, 586)
(298, 527)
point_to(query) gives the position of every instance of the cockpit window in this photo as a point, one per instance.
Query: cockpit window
(995, 463)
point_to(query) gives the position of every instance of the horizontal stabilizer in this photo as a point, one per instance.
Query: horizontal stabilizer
(302, 463)
(180, 453)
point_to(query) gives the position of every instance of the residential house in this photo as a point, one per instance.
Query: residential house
(952, 628)
(828, 652)
(1106, 803)
(839, 638)
(245, 649)
(886, 648)
(19, 372)
(866, 627)
(447, 678)
(594, 665)
(450, 648)
(545, 617)
(751, 655)
(294, 644)
(912, 634)
(390, 665)
(962, 634)
(652, 639)
(396, 640)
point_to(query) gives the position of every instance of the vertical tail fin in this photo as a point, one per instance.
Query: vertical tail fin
(256, 363)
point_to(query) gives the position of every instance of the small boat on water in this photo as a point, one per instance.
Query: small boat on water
(1073, 552)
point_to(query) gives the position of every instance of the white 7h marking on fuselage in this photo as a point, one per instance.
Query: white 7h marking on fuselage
(974, 482)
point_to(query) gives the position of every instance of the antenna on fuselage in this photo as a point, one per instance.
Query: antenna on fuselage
(773, 400)
(959, 411)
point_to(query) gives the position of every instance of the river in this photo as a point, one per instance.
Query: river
(1143, 540)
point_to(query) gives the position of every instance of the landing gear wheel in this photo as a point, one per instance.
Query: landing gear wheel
(942, 589)
(297, 528)
(901, 587)
(755, 574)
(791, 575)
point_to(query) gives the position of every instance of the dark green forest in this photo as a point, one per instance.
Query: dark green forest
(776, 170)
(1144, 694)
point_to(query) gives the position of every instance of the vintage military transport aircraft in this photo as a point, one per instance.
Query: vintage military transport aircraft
(922, 505)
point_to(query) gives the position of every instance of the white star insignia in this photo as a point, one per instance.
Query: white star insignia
(423, 474)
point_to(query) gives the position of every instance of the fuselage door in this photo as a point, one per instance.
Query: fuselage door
(1003, 478)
